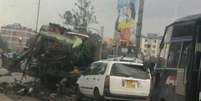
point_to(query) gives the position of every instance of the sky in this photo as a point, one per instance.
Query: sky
(157, 13)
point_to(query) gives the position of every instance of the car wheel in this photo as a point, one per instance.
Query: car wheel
(97, 96)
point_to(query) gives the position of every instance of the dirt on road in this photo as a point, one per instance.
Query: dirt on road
(16, 98)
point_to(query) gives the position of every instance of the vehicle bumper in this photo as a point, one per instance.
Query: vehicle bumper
(109, 96)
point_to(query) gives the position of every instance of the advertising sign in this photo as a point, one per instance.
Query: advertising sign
(127, 20)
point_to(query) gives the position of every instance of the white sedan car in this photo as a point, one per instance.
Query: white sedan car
(115, 80)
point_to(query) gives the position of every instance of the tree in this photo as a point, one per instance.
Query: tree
(81, 16)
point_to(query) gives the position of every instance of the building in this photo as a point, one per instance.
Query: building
(149, 45)
(16, 36)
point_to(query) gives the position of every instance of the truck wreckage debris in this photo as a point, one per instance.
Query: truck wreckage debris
(54, 59)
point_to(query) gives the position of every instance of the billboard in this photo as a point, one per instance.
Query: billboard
(127, 21)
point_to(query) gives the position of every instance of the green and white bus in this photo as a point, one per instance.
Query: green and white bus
(178, 71)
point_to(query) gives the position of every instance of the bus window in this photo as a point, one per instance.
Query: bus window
(165, 47)
(163, 55)
(174, 54)
(168, 34)
(183, 30)
(185, 56)
(199, 35)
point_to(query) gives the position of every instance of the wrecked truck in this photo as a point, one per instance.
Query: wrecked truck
(53, 57)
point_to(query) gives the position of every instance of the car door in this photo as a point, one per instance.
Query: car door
(91, 79)
(84, 82)
(100, 77)
(96, 79)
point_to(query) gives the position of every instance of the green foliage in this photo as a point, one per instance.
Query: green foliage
(81, 16)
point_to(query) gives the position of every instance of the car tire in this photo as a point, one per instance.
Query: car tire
(97, 96)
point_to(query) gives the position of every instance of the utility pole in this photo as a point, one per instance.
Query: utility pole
(101, 46)
(139, 26)
(38, 14)
(34, 44)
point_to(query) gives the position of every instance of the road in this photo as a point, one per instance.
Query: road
(10, 78)
(16, 98)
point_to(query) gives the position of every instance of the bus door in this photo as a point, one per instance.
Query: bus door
(183, 64)
(180, 56)
(171, 81)
(199, 82)
(193, 72)
(198, 49)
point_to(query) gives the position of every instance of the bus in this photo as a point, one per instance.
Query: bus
(177, 74)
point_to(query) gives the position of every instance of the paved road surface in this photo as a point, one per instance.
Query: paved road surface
(16, 98)
(4, 98)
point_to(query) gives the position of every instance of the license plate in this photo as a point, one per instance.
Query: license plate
(130, 84)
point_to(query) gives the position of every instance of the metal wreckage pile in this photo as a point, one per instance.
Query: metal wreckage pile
(56, 56)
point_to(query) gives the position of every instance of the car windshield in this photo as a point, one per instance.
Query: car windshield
(129, 70)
